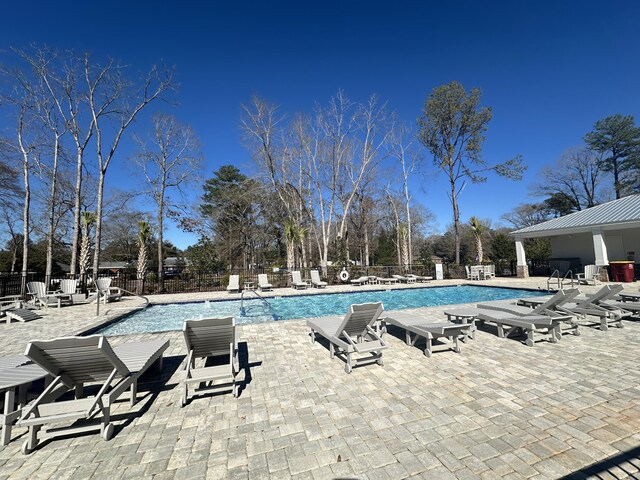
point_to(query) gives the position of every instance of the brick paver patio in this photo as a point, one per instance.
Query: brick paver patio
(498, 409)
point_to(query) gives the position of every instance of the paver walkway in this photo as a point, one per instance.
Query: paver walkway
(499, 409)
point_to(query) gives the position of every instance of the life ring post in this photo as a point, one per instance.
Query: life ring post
(344, 275)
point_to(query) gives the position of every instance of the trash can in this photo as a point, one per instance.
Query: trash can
(622, 270)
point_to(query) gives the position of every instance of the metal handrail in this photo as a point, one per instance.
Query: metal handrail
(555, 274)
(569, 272)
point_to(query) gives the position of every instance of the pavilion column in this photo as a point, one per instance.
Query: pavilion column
(522, 269)
(600, 250)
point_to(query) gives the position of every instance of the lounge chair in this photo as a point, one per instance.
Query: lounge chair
(360, 281)
(296, 281)
(17, 373)
(234, 284)
(510, 323)
(21, 315)
(352, 334)
(75, 361)
(595, 305)
(403, 279)
(590, 274)
(549, 307)
(388, 281)
(419, 278)
(205, 338)
(315, 280)
(263, 282)
(430, 331)
(106, 292)
(41, 298)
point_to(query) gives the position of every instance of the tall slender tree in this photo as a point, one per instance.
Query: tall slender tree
(452, 127)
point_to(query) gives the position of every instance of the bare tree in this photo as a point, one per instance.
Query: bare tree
(114, 104)
(168, 164)
(577, 175)
(62, 79)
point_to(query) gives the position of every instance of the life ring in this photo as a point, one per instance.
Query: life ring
(344, 275)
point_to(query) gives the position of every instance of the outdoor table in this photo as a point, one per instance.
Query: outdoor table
(248, 286)
(629, 296)
(463, 315)
(373, 280)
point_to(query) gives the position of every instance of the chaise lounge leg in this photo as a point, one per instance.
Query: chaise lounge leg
(332, 352)
(134, 393)
(529, 341)
(500, 331)
(313, 336)
(603, 324)
(348, 366)
(427, 348)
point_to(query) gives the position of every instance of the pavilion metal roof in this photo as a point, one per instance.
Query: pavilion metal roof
(622, 211)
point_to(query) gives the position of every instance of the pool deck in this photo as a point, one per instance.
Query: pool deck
(498, 409)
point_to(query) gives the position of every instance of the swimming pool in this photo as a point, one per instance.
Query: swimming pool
(160, 318)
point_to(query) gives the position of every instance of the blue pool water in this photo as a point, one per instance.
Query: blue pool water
(159, 318)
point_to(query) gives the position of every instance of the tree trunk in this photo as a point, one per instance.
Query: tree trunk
(366, 246)
(25, 225)
(52, 202)
(76, 214)
(160, 239)
(98, 234)
(456, 221)
(291, 254)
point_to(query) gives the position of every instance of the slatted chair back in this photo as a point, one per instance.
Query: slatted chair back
(560, 298)
(315, 276)
(607, 292)
(37, 289)
(295, 277)
(234, 282)
(263, 280)
(209, 337)
(359, 317)
(103, 285)
(68, 286)
(78, 360)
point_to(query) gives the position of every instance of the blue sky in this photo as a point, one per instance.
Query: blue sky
(549, 69)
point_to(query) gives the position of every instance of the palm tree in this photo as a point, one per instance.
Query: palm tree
(144, 234)
(403, 238)
(479, 229)
(290, 235)
(87, 219)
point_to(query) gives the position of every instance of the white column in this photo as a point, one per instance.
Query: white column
(522, 268)
(599, 247)
(522, 259)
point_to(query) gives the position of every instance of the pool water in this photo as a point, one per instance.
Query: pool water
(160, 318)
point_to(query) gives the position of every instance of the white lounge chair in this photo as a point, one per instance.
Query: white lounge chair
(359, 281)
(234, 284)
(590, 274)
(206, 338)
(403, 279)
(106, 292)
(352, 334)
(296, 281)
(422, 328)
(263, 282)
(315, 280)
(40, 296)
(419, 278)
(74, 362)
(17, 373)
(388, 281)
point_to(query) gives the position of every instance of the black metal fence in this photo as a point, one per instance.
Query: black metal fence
(189, 281)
